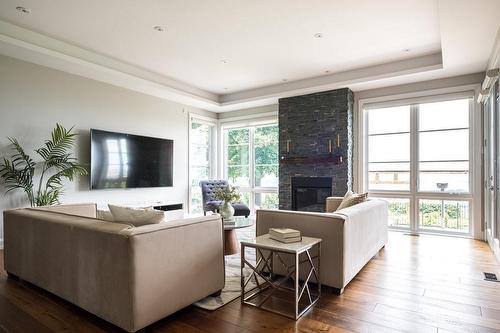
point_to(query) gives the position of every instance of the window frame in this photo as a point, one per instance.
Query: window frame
(413, 99)
(195, 118)
(252, 190)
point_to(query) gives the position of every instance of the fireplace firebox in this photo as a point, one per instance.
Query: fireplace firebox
(309, 193)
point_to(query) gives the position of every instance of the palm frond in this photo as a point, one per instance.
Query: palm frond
(18, 172)
(48, 197)
(57, 147)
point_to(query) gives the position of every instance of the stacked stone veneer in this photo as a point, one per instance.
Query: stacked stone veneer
(308, 122)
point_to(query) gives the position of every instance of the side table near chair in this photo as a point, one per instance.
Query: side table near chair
(231, 243)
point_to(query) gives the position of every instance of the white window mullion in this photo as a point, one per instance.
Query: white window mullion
(251, 164)
(414, 151)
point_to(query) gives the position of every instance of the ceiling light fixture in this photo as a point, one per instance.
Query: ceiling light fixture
(23, 10)
(159, 28)
(318, 35)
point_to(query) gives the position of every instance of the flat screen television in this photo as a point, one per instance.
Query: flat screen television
(119, 160)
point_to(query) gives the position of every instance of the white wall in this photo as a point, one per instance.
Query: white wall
(33, 98)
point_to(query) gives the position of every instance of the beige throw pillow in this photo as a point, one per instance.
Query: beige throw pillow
(351, 199)
(136, 216)
(105, 215)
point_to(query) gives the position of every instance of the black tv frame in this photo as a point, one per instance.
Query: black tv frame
(91, 187)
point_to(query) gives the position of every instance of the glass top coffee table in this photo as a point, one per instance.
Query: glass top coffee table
(231, 244)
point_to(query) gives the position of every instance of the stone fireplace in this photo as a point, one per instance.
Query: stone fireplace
(310, 193)
(315, 148)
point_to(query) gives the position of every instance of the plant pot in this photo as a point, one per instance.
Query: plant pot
(227, 211)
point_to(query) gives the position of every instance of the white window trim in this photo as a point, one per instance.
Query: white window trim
(195, 118)
(360, 154)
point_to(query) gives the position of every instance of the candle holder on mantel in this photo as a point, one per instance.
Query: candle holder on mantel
(330, 147)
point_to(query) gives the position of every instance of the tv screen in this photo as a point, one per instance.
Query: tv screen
(120, 160)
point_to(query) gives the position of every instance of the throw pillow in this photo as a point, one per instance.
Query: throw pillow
(351, 199)
(105, 215)
(136, 216)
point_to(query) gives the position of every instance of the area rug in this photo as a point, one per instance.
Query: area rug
(232, 289)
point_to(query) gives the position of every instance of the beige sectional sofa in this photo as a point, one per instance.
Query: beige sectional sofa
(129, 276)
(351, 236)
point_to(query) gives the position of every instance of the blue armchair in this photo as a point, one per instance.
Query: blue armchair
(211, 204)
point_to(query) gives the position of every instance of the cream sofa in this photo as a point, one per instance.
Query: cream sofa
(350, 236)
(129, 276)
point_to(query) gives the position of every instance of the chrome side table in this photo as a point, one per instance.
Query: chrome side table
(269, 250)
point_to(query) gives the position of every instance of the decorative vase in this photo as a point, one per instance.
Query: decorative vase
(227, 211)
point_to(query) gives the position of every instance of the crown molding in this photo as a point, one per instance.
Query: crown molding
(494, 60)
(33, 47)
(338, 80)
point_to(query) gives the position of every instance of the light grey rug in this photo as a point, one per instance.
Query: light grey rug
(232, 289)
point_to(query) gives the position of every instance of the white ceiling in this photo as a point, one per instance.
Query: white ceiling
(269, 45)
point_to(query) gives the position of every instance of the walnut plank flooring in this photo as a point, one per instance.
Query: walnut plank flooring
(415, 284)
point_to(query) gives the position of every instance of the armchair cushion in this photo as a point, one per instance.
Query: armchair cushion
(208, 193)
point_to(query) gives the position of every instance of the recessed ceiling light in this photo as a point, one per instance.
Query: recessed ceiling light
(159, 28)
(224, 61)
(23, 10)
(318, 35)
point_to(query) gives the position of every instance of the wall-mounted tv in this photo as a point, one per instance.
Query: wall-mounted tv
(119, 160)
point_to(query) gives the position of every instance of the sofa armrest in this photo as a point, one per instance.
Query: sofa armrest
(365, 233)
(173, 265)
(332, 203)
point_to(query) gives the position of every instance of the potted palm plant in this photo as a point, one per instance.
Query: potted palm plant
(57, 163)
(227, 195)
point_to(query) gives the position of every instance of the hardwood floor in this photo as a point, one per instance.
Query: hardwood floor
(415, 284)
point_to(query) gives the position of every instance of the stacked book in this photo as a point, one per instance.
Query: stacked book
(285, 235)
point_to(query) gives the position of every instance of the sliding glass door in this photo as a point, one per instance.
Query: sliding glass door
(418, 159)
(492, 167)
(251, 163)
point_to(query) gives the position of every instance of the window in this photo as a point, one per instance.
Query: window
(418, 155)
(238, 157)
(201, 136)
(399, 212)
(444, 215)
(251, 163)
(444, 146)
(389, 149)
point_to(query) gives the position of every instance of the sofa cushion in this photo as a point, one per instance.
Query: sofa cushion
(136, 216)
(351, 199)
